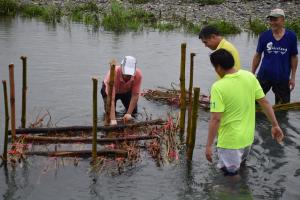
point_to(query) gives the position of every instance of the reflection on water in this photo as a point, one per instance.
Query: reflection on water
(61, 61)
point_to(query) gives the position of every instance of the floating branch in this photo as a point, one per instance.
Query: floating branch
(43, 139)
(87, 128)
(172, 97)
(83, 154)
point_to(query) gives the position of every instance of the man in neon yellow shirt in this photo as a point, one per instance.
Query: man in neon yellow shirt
(233, 113)
(212, 39)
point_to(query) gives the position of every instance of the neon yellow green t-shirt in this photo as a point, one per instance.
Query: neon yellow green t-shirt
(234, 96)
(224, 44)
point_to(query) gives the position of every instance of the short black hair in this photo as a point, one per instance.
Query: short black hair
(223, 58)
(208, 31)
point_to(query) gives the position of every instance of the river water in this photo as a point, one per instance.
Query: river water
(62, 59)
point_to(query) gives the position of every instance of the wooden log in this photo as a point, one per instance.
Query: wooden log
(6, 121)
(118, 127)
(24, 91)
(86, 140)
(192, 138)
(83, 153)
(12, 101)
(94, 145)
(110, 91)
(182, 89)
(190, 94)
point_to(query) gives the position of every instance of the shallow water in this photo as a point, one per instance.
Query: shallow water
(61, 61)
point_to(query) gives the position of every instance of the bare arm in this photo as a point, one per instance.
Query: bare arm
(277, 133)
(133, 103)
(255, 62)
(214, 124)
(294, 64)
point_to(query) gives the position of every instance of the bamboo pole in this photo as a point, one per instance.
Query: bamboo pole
(282, 107)
(182, 89)
(24, 91)
(110, 91)
(83, 153)
(191, 142)
(188, 132)
(6, 121)
(94, 145)
(12, 101)
(85, 140)
(57, 130)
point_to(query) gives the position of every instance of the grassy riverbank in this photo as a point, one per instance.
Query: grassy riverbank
(121, 19)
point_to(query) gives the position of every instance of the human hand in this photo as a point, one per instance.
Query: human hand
(292, 83)
(208, 153)
(113, 122)
(127, 117)
(277, 134)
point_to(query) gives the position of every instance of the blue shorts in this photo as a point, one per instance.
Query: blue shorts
(231, 159)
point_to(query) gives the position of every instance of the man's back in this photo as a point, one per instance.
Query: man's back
(234, 96)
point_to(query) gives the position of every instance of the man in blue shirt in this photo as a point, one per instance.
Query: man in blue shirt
(280, 60)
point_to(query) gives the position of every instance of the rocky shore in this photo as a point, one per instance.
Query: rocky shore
(236, 11)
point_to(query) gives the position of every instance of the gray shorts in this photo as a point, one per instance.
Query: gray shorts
(231, 159)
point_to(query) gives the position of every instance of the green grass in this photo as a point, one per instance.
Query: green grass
(294, 25)
(31, 10)
(139, 1)
(165, 26)
(224, 27)
(120, 19)
(190, 27)
(257, 26)
(52, 14)
(209, 2)
(8, 7)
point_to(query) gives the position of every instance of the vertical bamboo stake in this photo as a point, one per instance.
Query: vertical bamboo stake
(94, 145)
(182, 89)
(110, 91)
(12, 101)
(188, 132)
(6, 121)
(24, 91)
(192, 138)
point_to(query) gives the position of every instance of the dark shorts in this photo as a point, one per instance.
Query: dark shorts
(281, 90)
(125, 98)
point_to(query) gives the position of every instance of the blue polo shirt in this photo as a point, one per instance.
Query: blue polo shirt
(276, 62)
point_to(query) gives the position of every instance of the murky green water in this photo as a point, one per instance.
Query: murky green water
(61, 61)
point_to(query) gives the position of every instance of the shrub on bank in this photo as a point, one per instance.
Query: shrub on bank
(120, 19)
(225, 27)
(257, 26)
(295, 26)
(8, 7)
(209, 2)
(139, 1)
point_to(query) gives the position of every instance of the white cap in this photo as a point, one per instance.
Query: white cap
(276, 13)
(128, 65)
